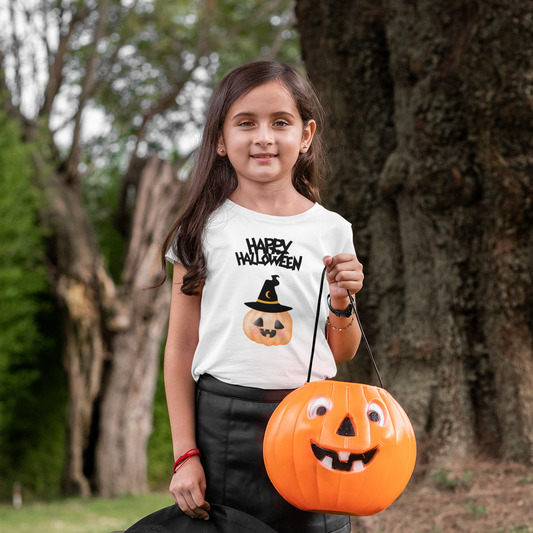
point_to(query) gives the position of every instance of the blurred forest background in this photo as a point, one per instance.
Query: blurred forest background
(91, 92)
(431, 152)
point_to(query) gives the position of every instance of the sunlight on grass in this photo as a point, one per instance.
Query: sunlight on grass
(75, 515)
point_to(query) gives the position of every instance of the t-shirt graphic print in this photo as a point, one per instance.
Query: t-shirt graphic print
(268, 322)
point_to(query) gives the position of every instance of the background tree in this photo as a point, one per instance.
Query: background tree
(432, 161)
(31, 431)
(102, 90)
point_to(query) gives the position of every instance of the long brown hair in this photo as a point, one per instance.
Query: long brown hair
(213, 176)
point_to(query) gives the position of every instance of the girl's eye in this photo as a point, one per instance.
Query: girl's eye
(245, 124)
(375, 413)
(281, 123)
(318, 406)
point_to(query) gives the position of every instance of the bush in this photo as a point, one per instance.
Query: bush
(32, 383)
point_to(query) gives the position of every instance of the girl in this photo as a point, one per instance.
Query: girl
(248, 251)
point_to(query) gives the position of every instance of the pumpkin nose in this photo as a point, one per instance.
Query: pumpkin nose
(346, 428)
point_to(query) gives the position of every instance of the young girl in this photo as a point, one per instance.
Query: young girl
(248, 252)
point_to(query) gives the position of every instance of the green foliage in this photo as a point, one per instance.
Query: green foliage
(167, 54)
(32, 450)
(100, 190)
(445, 482)
(31, 379)
(22, 275)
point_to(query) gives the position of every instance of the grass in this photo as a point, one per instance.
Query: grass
(76, 515)
(444, 481)
(522, 529)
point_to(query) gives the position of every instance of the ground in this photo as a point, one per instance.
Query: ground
(477, 496)
(474, 497)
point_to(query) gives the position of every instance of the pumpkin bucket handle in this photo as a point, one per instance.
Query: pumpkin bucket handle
(358, 322)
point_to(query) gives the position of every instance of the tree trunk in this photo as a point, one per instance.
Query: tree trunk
(112, 334)
(432, 162)
(126, 411)
(82, 287)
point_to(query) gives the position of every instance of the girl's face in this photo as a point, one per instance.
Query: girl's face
(263, 134)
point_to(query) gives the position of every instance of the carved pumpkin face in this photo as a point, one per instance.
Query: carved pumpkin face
(270, 329)
(341, 448)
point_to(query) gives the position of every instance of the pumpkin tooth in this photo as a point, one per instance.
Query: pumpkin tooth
(327, 461)
(344, 456)
(357, 466)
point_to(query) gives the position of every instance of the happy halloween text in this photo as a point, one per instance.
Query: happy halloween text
(269, 252)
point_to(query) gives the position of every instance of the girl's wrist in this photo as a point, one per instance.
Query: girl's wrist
(341, 304)
(180, 449)
(189, 454)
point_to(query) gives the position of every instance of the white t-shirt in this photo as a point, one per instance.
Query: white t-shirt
(259, 300)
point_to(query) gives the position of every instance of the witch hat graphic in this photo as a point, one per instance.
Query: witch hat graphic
(268, 299)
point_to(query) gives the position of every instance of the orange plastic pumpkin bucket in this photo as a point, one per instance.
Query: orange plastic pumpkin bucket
(339, 448)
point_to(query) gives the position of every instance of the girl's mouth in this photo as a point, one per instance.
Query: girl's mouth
(264, 157)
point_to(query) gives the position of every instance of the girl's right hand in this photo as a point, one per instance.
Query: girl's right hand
(188, 488)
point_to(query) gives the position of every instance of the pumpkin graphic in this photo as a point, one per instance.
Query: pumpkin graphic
(268, 322)
(270, 329)
(340, 448)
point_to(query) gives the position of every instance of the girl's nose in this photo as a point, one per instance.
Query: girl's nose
(264, 136)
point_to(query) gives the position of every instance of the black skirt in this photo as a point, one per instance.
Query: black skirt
(231, 422)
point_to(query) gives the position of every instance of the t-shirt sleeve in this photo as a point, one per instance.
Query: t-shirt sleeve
(171, 257)
(347, 240)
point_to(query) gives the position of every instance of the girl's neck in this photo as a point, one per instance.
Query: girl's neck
(271, 199)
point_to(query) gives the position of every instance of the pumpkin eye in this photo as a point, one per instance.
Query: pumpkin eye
(278, 325)
(259, 322)
(375, 413)
(319, 406)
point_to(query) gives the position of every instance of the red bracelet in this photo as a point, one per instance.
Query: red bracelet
(180, 461)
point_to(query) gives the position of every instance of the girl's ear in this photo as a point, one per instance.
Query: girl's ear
(220, 147)
(307, 136)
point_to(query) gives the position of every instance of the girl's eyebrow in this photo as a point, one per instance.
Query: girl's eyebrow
(276, 114)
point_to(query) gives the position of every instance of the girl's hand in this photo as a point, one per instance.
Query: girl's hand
(344, 272)
(188, 488)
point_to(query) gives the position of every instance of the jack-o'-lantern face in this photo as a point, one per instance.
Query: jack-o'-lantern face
(342, 448)
(270, 329)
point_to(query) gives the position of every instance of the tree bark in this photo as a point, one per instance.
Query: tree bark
(432, 162)
(83, 289)
(112, 334)
(126, 410)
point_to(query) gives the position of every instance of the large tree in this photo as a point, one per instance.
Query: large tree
(432, 161)
(140, 70)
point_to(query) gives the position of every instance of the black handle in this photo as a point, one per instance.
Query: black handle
(358, 321)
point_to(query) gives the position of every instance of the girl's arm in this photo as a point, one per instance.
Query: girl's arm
(188, 483)
(344, 272)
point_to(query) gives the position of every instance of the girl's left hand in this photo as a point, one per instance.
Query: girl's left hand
(344, 272)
